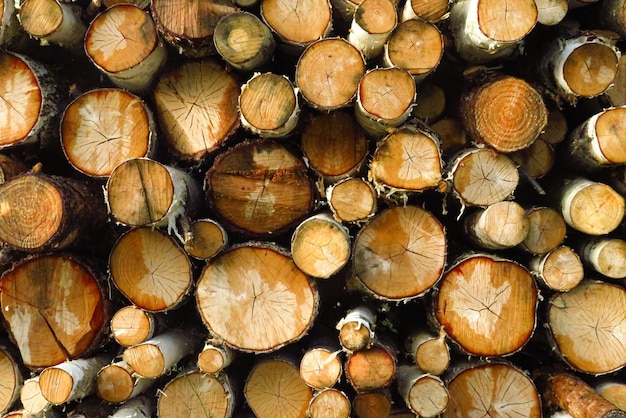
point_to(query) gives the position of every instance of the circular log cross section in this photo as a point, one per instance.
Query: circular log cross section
(607, 256)
(103, 128)
(196, 107)
(209, 238)
(560, 269)
(401, 253)
(372, 404)
(487, 305)
(259, 187)
(538, 159)
(352, 200)
(415, 46)
(256, 299)
(426, 10)
(21, 99)
(40, 17)
(507, 114)
(328, 73)
(506, 20)
(546, 230)
(297, 22)
(586, 324)
(196, 394)
(131, 325)
(610, 130)
(54, 308)
(11, 378)
(150, 269)
(370, 368)
(492, 390)
(329, 403)
(115, 383)
(590, 69)
(321, 368)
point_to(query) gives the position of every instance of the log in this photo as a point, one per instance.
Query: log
(613, 391)
(54, 22)
(10, 167)
(557, 128)
(376, 404)
(384, 99)
(32, 99)
(414, 46)
(499, 226)
(275, 385)
(39, 297)
(345, 8)
(298, 22)
(551, 12)
(266, 304)
(259, 187)
(372, 24)
(329, 403)
(215, 357)
(505, 113)
(11, 379)
(430, 103)
(334, 145)
(612, 16)
(452, 136)
(122, 42)
(356, 329)
(32, 399)
(321, 365)
(351, 200)
(10, 28)
(546, 230)
(426, 10)
(268, 105)
(189, 27)
(244, 41)
(105, 127)
(196, 107)
(208, 238)
(537, 160)
(487, 305)
(584, 323)
(117, 383)
(486, 30)
(572, 394)
(194, 393)
(429, 352)
(371, 368)
(496, 389)
(328, 73)
(400, 254)
(132, 325)
(606, 256)
(591, 207)
(560, 269)
(423, 393)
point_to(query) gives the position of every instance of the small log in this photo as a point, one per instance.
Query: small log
(320, 246)
(298, 22)
(10, 167)
(430, 352)
(452, 136)
(613, 391)
(372, 24)
(105, 127)
(122, 42)
(32, 99)
(406, 160)
(346, 8)
(371, 368)
(138, 406)
(267, 303)
(536, 160)
(613, 16)
(32, 399)
(591, 207)
(54, 22)
(38, 296)
(384, 99)
(194, 393)
(572, 394)
(551, 12)
(351, 200)
(156, 356)
(505, 113)
(415, 46)
(607, 256)
(482, 177)
(499, 226)
(557, 129)
(375, 404)
(584, 323)
(117, 383)
(486, 30)
(208, 238)
(496, 389)
(328, 73)
(11, 379)
(275, 385)
(196, 105)
(259, 187)
(356, 329)
(546, 230)
(580, 66)
(132, 325)
(321, 365)
(42, 212)
(487, 305)
(334, 145)
(427, 10)
(71, 380)
(214, 357)
(329, 403)
(423, 393)
(189, 27)
(150, 269)
(560, 269)
(144, 192)
(244, 41)
(400, 254)
(598, 141)
(268, 105)
(430, 103)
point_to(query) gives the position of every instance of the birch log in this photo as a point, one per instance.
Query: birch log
(424, 394)
(132, 325)
(356, 328)
(117, 383)
(371, 26)
(371, 368)
(329, 403)
(352, 200)
(613, 391)
(298, 22)
(10, 27)
(560, 269)
(55, 22)
(606, 256)
(546, 230)
(537, 160)
(71, 380)
(208, 238)
(429, 352)
(11, 379)
(32, 399)
(321, 366)
(501, 225)
(215, 357)
(426, 10)
(551, 12)
(374, 404)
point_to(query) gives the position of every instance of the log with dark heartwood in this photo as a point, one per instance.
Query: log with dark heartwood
(312, 208)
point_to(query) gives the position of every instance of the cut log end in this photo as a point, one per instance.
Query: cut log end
(506, 20)
(590, 69)
(329, 403)
(546, 231)
(114, 383)
(209, 238)
(40, 17)
(415, 46)
(320, 368)
(609, 128)
(561, 269)
(196, 391)
(501, 225)
(56, 385)
(310, 22)
(352, 200)
(131, 325)
(426, 10)
(371, 368)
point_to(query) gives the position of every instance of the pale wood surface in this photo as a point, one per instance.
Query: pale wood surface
(329, 403)
(298, 22)
(371, 368)
(352, 200)
(546, 231)
(415, 46)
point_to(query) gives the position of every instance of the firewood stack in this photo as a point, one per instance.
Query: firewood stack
(312, 208)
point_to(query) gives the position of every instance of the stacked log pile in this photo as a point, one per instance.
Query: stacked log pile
(312, 208)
